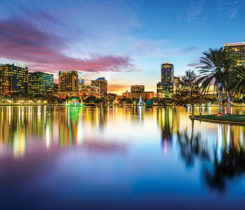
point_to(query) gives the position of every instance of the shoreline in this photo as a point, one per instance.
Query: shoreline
(225, 119)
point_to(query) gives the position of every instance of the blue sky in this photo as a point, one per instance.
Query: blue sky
(124, 40)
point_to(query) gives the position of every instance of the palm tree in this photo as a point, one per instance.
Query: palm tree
(216, 65)
(238, 80)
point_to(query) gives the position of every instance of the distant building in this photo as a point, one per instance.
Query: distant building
(101, 83)
(55, 88)
(165, 87)
(176, 88)
(137, 88)
(13, 79)
(40, 83)
(144, 95)
(88, 90)
(237, 52)
(80, 81)
(68, 81)
(137, 91)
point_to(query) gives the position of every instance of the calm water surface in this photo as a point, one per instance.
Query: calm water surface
(117, 158)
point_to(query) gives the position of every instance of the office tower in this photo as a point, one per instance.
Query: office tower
(14, 79)
(165, 87)
(55, 88)
(68, 81)
(237, 51)
(137, 88)
(40, 83)
(80, 81)
(101, 83)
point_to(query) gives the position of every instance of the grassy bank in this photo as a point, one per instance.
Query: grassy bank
(231, 119)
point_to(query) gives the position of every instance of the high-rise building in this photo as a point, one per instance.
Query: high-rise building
(55, 88)
(101, 83)
(165, 87)
(80, 81)
(68, 81)
(40, 83)
(137, 88)
(237, 51)
(13, 79)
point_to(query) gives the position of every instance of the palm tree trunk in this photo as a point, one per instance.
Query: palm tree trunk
(228, 103)
(192, 109)
(192, 129)
(192, 105)
(220, 100)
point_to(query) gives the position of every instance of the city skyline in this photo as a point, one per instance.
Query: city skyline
(122, 104)
(98, 39)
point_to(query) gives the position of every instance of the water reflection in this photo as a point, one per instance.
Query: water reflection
(229, 158)
(191, 146)
(219, 149)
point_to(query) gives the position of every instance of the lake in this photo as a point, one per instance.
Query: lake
(119, 158)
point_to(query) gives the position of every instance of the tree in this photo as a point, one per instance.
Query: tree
(189, 86)
(111, 97)
(216, 65)
(238, 80)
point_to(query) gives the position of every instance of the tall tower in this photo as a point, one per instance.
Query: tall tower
(165, 87)
(237, 51)
(68, 81)
(80, 81)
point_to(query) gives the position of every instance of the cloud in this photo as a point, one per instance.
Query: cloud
(22, 40)
(229, 8)
(189, 49)
(193, 65)
(194, 10)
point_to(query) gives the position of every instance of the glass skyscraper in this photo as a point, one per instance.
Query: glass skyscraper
(165, 87)
(80, 81)
(40, 83)
(68, 81)
(13, 79)
(237, 52)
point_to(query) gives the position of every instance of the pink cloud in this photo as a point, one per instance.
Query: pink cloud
(23, 41)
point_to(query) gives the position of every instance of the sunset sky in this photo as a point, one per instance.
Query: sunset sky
(123, 40)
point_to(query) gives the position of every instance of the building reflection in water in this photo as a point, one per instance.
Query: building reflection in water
(229, 155)
(165, 122)
(21, 127)
(136, 113)
(192, 146)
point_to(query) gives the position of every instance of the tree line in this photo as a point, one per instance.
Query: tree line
(219, 70)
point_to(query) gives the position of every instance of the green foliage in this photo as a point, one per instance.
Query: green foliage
(216, 65)
(125, 101)
(189, 84)
(228, 118)
(237, 80)
(93, 100)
